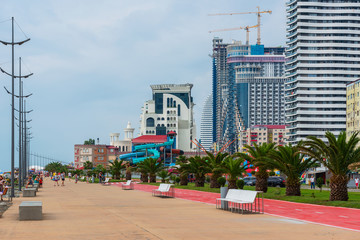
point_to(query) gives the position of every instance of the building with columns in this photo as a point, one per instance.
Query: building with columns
(124, 145)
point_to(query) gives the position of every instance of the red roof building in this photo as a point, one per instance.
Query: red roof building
(145, 139)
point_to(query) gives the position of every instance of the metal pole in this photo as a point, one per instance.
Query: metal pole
(12, 114)
(20, 124)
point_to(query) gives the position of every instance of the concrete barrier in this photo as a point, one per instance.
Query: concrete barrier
(30, 210)
(29, 192)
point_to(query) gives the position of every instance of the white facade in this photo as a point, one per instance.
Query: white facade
(323, 54)
(206, 129)
(171, 109)
(124, 145)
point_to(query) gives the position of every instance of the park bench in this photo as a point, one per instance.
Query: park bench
(242, 200)
(6, 193)
(30, 210)
(29, 192)
(106, 182)
(164, 190)
(129, 185)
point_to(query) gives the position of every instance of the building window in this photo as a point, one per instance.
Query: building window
(179, 110)
(150, 122)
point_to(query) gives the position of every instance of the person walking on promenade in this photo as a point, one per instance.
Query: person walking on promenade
(2, 184)
(62, 179)
(312, 182)
(357, 182)
(76, 178)
(69, 175)
(100, 177)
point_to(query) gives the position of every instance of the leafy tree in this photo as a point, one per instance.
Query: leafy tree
(199, 167)
(292, 163)
(99, 168)
(234, 167)
(221, 181)
(116, 167)
(55, 167)
(89, 142)
(151, 166)
(163, 174)
(88, 165)
(337, 155)
(215, 164)
(259, 156)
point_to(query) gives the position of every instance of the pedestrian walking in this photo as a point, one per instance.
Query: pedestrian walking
(76, 178)
(312, 182)
(69, 175)
(357, 182)
(62, 179)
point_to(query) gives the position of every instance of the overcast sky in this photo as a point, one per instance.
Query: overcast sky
(93, 61)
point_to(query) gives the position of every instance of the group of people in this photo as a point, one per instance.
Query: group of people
(57, 177)
(2, 185)
(32, 179)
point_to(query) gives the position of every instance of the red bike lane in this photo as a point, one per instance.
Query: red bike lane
(346, 218)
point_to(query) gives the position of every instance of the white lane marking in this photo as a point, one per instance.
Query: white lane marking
(319, 212)
(298, 209)
(343, 216)
(280, 207)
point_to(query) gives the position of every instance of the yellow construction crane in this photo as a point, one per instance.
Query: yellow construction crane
(258, 19)
(238, 28)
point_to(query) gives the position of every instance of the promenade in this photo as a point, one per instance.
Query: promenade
(92, 211)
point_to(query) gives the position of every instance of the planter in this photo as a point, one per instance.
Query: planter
(223, 192)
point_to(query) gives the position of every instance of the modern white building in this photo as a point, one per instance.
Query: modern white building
(171, 109)
(206, 128)
(323, 54)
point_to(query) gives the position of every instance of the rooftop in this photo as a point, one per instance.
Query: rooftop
(150, 139)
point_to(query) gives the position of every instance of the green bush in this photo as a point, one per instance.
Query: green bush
(207, 180)
(240, 184)
(177, 180)
(272, 173)
(319, 182)
(221, 181)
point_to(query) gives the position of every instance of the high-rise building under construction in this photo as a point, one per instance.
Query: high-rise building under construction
(248, 89)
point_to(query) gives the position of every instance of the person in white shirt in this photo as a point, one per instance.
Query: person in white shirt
(357, 182)
(312, 182)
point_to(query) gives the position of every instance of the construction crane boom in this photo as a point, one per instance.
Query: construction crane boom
(238, 28)
(258, 42)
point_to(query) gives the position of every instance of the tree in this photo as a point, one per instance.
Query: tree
(292, 163)
(116, 167)
(234, 167)
(89, 142)
(337, 155)
(183, 169)
(151, 166)
(99, 168)
(163, 174)
(259, 156)
(129, 169)
(88, 165)
(55, 167)
(215, 164)
(199, 167)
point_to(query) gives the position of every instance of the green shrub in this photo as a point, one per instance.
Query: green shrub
(240, 184)
(221, 181)
(319, 183)
(272, 173)
(207, 179)
(177, 180)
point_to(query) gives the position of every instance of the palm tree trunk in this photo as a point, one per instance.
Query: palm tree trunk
(128, 175)
(144, 177)
(184, 180)
(200, 181)
(338, 188)
(232, 184)
(213, 180)
(261, 180)
(152, 178)
(293, 187)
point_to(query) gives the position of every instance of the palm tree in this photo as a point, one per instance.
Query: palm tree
(234, 167)
(151, 166)
(292, 163)
(183, 169)
(259, 156)
(163, 174)
(337, 155)
(215, 163)
(199, 167)
(88, 165)
(116, 167)
(128, 171)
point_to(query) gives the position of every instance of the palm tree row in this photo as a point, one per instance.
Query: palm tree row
(291, 161)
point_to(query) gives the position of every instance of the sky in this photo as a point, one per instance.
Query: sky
(94, 61)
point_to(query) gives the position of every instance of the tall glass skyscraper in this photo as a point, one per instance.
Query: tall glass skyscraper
(206, 128)
(323, 54)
